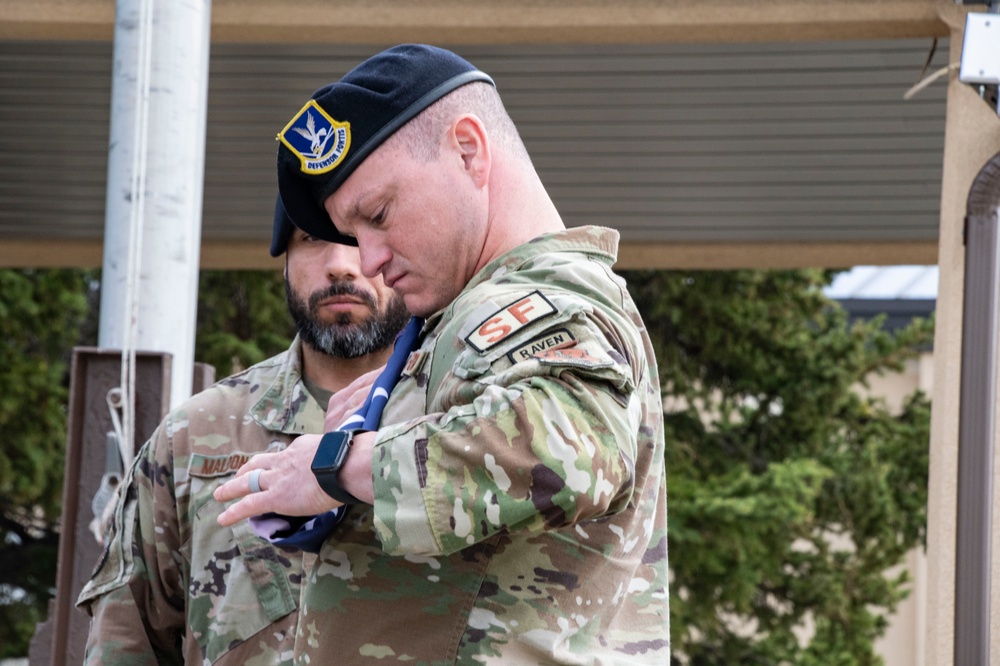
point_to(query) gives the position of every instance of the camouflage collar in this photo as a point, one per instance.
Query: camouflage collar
(599, 243)
(284, 404)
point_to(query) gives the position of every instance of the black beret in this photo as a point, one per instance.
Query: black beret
(283, 229)
(345, 121)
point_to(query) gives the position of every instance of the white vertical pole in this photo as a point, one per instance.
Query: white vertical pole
(170, 154)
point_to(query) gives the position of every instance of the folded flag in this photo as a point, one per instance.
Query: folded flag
(309, 532)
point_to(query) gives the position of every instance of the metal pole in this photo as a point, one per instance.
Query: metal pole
(168, 205)
(977, 425)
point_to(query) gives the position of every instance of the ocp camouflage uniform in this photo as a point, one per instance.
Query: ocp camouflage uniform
(170, 572)
(520, 500)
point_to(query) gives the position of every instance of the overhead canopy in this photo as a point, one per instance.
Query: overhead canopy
(702, 154)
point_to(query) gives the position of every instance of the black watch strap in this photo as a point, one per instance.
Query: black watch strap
(328, 476)
(331, 486)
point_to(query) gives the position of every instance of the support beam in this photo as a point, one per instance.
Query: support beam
(726, 256)
(251, 254)
(505, 21)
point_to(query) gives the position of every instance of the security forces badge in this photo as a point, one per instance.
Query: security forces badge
(319, 141)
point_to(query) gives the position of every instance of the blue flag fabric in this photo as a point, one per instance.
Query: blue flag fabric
(309, 532)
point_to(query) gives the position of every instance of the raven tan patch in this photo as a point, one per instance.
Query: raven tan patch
(557, 339)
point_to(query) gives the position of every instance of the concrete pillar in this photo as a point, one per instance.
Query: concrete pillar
(156, 164)
(972, 136)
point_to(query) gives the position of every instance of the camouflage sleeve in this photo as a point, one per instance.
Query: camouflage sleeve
(538, 442)
(135, 596)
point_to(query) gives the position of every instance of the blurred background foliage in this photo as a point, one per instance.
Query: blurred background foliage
(791, 491)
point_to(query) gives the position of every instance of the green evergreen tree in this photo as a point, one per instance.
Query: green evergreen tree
(790, 493)
(41, 313)
(242, 319)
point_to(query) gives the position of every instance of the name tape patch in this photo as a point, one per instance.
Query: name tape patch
(320, 142)
(557, 339)
(508, 320)
(202, 465)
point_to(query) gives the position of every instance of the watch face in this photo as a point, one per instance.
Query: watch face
(331, 452)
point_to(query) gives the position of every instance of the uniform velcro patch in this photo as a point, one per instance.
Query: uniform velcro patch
(509, 319)
(572, 356)
(209, 466)
(414, 362)
(557, 339)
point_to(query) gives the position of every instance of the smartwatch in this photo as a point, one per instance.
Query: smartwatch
(329, 458)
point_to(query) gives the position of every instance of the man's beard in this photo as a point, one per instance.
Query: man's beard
(346, 338)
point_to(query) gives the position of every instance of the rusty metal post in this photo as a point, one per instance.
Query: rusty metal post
(60, 640)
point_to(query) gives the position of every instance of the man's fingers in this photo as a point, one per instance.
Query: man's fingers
(230, 490)
(284, 481)
(253, 480)
(258, 460)
(251, 505)
(241, 485)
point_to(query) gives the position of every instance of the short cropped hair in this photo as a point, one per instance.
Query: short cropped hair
(421, 137)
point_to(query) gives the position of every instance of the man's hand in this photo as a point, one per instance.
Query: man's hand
(349, 399)
(287, 485)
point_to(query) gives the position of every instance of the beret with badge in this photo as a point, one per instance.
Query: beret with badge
(345, 121)
(283, 229)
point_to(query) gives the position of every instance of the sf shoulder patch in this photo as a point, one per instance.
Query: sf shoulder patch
(320, 142)
(509, 319)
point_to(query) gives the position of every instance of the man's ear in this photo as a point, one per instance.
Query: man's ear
(473, 143)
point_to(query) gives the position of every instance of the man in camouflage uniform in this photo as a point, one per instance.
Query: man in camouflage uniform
(175, 587)
(511, 508)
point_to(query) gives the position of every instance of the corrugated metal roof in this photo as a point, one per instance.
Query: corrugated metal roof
(698, 143)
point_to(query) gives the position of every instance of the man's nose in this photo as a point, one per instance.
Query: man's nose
(374, 258)
(342, 261)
